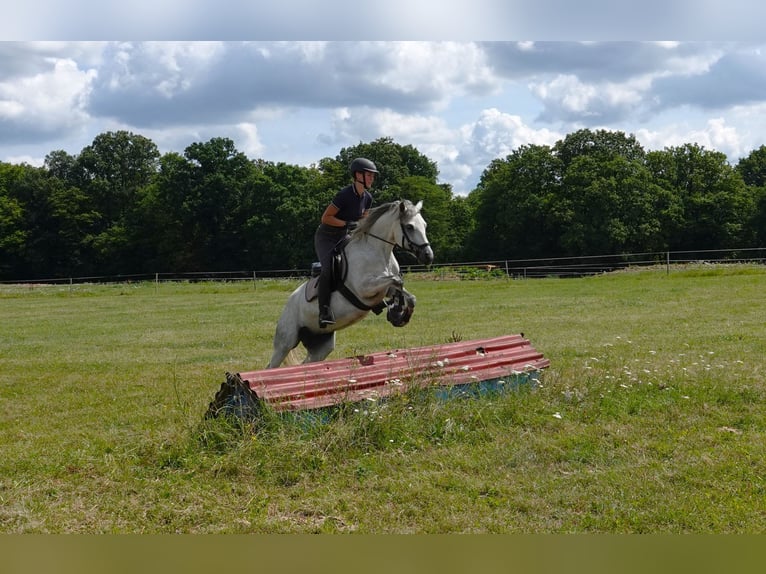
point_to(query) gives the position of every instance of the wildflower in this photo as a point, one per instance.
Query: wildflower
(557, 415)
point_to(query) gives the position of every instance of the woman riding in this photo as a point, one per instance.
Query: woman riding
(348, 206)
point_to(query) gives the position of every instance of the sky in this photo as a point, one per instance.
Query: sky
(462, 90)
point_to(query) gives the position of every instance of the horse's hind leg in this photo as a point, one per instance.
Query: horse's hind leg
(318, 345)
(277, 357)
(285, 340)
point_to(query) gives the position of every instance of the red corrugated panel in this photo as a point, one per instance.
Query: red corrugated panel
(327, 383)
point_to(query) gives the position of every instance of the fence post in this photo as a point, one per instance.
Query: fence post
(254, 283)
(667, 263)
(156, 282)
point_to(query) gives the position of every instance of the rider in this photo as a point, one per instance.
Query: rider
(348, 206)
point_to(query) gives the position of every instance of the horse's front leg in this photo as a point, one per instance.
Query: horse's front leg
(378, 285)
(400, 307)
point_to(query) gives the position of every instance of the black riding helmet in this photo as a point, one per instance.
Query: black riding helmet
(362, 164)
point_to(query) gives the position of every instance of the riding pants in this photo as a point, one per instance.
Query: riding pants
(326, 237)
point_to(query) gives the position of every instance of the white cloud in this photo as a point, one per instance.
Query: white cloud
(496, 134)
(462, 104)
(714, 135)
(47, 101)
(448, 69)
(250, 143)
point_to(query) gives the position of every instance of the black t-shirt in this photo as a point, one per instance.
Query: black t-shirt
(350, 205)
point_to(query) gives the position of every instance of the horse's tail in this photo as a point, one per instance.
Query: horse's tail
(293, 358)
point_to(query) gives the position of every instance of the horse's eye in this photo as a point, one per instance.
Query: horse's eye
(410, 227)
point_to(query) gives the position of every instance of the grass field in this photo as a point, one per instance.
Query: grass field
(651, 417)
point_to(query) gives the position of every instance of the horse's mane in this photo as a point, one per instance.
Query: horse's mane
(377, 212)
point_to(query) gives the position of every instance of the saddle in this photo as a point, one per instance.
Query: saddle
(339, 271)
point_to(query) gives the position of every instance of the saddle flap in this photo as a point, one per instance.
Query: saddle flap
(338, 270)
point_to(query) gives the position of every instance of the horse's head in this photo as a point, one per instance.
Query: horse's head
(413, 229)
(399, 223)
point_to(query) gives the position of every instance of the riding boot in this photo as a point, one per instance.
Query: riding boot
(326, 316)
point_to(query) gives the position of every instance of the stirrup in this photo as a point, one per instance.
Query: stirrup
(326, 317)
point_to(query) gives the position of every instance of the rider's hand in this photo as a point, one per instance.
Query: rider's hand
(351, 225)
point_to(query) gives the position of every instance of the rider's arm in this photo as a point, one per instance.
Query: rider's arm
(329, 217)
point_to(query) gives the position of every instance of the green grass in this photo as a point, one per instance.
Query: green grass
(650, 418)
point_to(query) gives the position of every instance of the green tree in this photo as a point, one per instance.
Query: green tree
(715, 203)
(217, 174)
(612, 206)
(13, 234)
(161, 239)
(753, 171)
(752, 168)
(111, 172)
(288, 202)
(45, 220)
(64, 166)
(515, 207)
(599, 144)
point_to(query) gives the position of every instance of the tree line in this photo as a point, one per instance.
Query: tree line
(121, 207)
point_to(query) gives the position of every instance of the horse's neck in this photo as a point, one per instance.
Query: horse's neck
(378, 246)
(374, 249)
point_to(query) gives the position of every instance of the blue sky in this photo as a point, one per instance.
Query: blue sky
(460, 101)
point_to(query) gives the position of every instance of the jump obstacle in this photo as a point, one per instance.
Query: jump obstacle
(453, 369)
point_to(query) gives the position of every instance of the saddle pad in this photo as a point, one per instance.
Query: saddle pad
(312, 289)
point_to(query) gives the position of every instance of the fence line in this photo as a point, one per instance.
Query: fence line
(515, 268)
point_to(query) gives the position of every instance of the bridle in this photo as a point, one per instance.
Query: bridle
(415, 248)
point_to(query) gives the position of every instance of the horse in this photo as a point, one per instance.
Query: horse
(367, 279)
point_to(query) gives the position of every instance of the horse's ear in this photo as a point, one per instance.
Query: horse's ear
(419, 205)
(402, 206)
